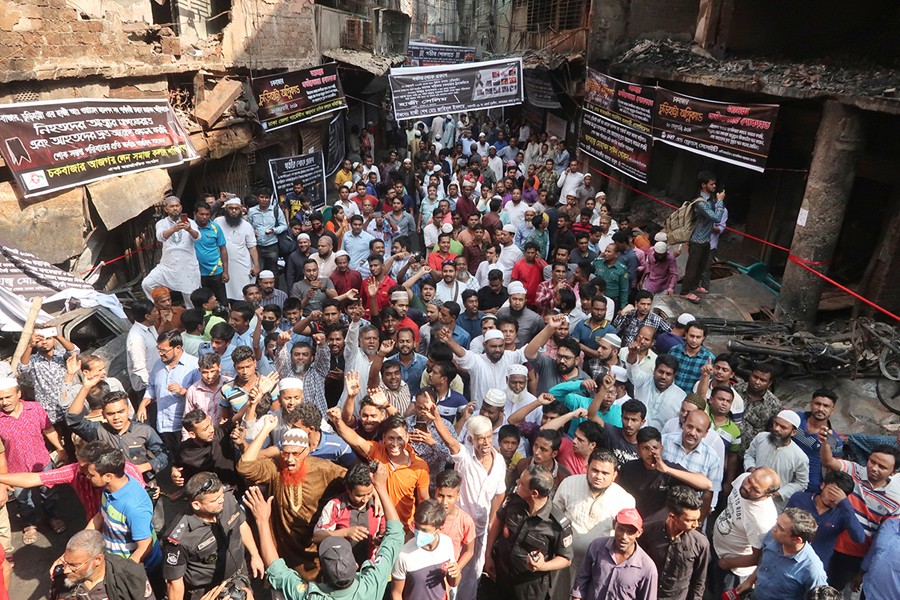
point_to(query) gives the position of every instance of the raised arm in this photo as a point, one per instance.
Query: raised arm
(359, 445)
(534, 346)
(348, 411)
(828, 459)
(447, 437)
(563, 420)
(521, 414)
(267, 425)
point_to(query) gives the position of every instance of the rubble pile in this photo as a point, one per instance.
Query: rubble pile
(832, 75)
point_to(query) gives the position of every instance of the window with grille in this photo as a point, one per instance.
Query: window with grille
(554, 15)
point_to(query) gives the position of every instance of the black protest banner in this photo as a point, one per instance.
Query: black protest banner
(337, 145)
(308, 168)
(623, 148)
(616, 123)
(740, 134)
(59, 144)
(420, 92)
(539, 91)
(297, 96)
(420, 54)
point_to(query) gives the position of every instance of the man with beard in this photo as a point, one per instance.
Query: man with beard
(679, 551)
(589, 502)
(510, 254)
(530, 323)
(692, 356)
(243, 260)
(662, 398)
(89, 571)
(269, 294)
(205, 547)
(178, 268)
(688, 450)
(776, 450)
(631, 318)
(551, 372)
(325, 257)
(740, 529)
(760, 404)
(812, 422)
(516, 394)
(293, 269)
(343, 277)
(412, 364)
(483, 473)
(616, 567)
(315, 288)
(408, 478)
(375, 289)
(489, 370)
(300, 485)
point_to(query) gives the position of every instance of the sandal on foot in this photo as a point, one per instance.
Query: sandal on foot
(691, 298)
(701, 290)
(57, 525)
(29, 535)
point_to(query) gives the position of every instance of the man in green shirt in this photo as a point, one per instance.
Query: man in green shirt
(335, 555)
(615, 274)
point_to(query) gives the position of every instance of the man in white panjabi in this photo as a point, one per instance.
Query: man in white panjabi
(240, 242)
(178, 268)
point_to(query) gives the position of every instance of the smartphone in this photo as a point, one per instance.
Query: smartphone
(184, 218)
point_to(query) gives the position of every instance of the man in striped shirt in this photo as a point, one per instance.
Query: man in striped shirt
(875, 497)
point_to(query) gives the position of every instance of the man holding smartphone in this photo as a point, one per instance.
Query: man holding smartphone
(178, 268)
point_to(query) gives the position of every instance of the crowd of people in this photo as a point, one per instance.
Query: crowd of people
(448, 384)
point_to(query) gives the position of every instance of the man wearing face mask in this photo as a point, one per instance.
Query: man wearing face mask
(426, 567)
(299, 483)
(178, 268)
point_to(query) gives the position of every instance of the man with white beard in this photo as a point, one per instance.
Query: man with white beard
(517, 394)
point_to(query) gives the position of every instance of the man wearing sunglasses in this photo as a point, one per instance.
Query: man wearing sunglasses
(205, 548)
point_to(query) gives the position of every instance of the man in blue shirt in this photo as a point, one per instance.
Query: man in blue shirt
(126, 512)
(267, 221)
(817, 419)
(412, 364)
(356, 244)
(211, 253)
(449, 312)
(832, 511)
(169, 381)
(789, 567)
(882, 577)
(470, 318)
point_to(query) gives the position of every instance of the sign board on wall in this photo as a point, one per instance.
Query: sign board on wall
(308, 168)
(420, 54)
(54, 145)
(297, 96)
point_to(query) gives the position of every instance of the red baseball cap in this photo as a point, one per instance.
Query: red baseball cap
(630, 516)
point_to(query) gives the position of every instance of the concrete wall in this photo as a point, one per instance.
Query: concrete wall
(615, 23)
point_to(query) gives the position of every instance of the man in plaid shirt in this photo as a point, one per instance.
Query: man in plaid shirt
(631, 318)
(691, 356)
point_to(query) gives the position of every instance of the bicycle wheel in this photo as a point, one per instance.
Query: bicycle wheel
(888, 386)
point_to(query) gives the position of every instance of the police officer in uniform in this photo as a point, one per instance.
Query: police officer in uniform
(206, 547)
(528, 540)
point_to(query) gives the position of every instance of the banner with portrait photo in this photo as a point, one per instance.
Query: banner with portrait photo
(421, 54)
(420, 92)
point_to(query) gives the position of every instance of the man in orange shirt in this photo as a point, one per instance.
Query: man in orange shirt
(408, 474)
(436, 259)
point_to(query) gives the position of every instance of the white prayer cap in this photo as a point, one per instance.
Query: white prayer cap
(493, 334)
(518, 370)
(685, 318)
(233, 202)
(495, 397)
(266, 275)
(7, 383)
(613, 340)
(516, 287)
(619, 373)
(290, 383)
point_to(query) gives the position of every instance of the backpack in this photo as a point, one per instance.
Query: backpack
(680, 224)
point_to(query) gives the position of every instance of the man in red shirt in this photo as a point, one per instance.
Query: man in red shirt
(436, 259)
(344, 278)
(530, 271)
(376, 288)
(361, 196)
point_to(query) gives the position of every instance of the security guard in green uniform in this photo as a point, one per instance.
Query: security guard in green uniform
(615, 274)
(205, 548)
(528, 540)
(341, 579)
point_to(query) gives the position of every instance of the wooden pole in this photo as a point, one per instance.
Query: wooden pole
(27, 331)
